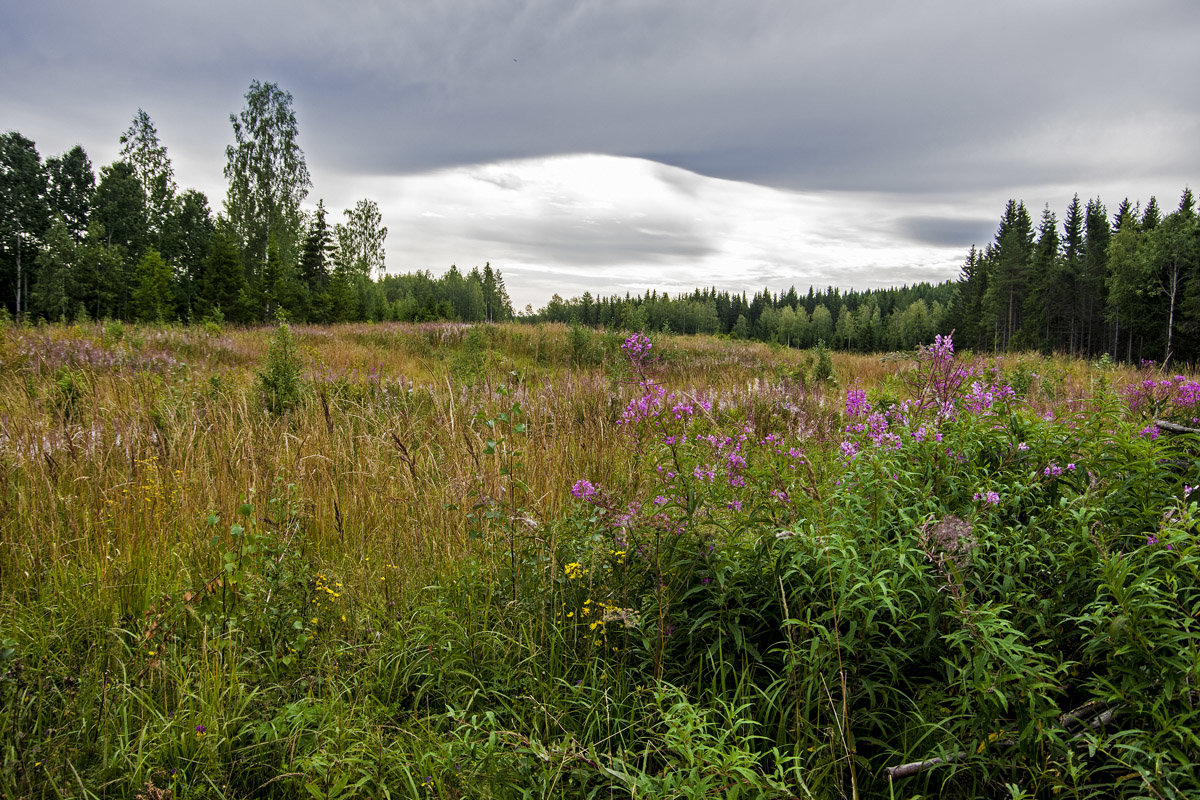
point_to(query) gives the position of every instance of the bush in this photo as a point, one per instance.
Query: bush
(279, 381)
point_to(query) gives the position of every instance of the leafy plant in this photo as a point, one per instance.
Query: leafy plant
(280, 383)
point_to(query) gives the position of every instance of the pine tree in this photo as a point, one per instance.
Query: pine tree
(966, 313)
(1130, 286)
(1072, 269)
(1151, 216)
(185, 242)
(95, 282)
(1090, 291)
(315, 252)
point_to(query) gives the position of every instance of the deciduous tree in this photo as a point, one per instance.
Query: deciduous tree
(267, 174)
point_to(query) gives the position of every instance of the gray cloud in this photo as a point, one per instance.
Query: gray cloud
(947, 231)
(916, 96)
(927, 103)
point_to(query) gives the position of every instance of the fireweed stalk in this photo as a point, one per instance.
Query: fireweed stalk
(708, 484)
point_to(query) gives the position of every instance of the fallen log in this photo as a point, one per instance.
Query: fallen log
(1171, 427)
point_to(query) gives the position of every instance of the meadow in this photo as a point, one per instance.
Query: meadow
(454, 561)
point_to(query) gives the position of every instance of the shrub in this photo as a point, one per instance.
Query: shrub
(279, 381)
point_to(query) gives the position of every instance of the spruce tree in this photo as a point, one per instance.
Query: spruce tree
(152, 295)
(222, 288)
(1008, 278)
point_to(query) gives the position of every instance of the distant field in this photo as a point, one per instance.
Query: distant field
(464, 561)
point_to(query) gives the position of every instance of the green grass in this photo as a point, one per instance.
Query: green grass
(223, 577)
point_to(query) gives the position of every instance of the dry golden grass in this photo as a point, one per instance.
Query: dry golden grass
(117, 444)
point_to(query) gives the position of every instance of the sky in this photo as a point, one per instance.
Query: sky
(618, 146)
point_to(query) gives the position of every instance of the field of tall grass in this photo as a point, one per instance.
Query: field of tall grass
(530, 561)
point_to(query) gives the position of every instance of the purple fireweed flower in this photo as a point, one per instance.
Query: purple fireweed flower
(856, 403)
(637, 345)
(991, 498)
(584, 489)
(1150, 431)
(1052, 470)
(849, 450)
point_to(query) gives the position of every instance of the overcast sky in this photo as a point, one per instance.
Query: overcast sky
(621, 145)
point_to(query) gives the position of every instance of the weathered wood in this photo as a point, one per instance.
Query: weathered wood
(1094, 714)
(1171, 427)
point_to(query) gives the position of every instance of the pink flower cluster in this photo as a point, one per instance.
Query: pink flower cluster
(1158, 395)
(655, 401)
(856, 403)
(637, 347)
(584, 489)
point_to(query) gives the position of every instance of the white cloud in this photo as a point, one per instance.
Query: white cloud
(608, 224)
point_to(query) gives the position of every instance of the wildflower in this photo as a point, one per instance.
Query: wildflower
(201, 730)
(575, 570)
(1022, 446)
(990, 498)
(1052, 470)
(856, 403)
(584, 489)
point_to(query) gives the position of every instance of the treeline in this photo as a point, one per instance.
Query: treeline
(129, 244)
(866, 321)
(1128, 285)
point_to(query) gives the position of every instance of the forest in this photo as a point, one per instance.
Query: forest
(128, 244)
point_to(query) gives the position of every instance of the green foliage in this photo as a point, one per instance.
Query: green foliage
(152, 298)
(945, 586)
(70, 389)
(583, 350)
(280, 381)
(267, 174)
(823, 368)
